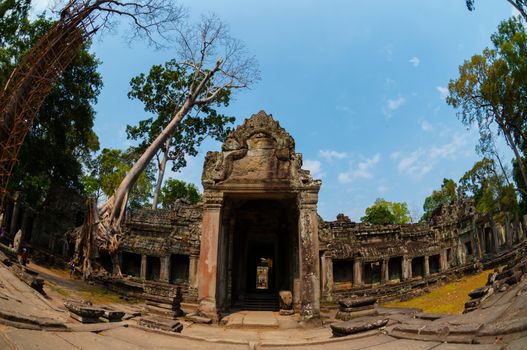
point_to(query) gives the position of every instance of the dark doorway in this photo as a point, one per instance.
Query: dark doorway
(372, 272)
(179, 265)
(153, 268)
(259, 248)
(343, 271)
(417, 266)
(131, 264)
(434, 263)
(489, 242)
(395, 270)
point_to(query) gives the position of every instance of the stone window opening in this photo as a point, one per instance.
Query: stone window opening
(372, 272)
(131, 264)
(179, 268)
(418, 266)
(434, 263)
(395, 272)
(343, 271)
(468, 247)
(153, 268)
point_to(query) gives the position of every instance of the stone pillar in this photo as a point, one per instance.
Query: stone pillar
(142, 273)
(326, 266)
(495, 237)
(357, 272)
(13, 227)
(193, 271)
(508, 233)
(406, 267)
(426, 266)
(208, 257)
(164, 273)
(385, 274)
(443, 261)
(309, 265)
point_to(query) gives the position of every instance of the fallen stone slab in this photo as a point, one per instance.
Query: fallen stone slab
(113, 315)
(479, 292)
(346, 316)
(198, 319)
(505, 327)
(429, 316)
(40, 322)
(342, 329)
(84, 313)
(357, 302)
(515, 278)
(162, 324)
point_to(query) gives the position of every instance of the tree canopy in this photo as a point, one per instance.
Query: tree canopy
(62, 137)
(384, 212)
(163, 91)
(491, 90)
(445, 196)
(174, 189)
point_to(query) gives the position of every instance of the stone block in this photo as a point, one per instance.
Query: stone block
(342, 329)
(198, 319)
(161, 323)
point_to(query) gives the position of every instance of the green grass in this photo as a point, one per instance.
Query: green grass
(447, 299)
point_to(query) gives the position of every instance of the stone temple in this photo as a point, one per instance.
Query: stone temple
(257, 232)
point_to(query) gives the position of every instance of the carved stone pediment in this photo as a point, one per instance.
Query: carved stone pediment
(259, 150)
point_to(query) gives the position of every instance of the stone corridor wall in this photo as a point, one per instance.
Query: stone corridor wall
(355, 257)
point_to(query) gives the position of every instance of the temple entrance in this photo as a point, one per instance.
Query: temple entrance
(260, 250)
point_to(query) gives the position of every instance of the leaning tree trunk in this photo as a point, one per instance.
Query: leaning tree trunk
(161, 174)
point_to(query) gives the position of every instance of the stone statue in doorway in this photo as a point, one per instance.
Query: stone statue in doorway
(17, 241)
(286, 302)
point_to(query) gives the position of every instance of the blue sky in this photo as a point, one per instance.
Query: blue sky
(360, 85)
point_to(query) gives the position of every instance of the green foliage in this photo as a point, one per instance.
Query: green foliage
(176, 189)
(491, 88)
(489, 189)
(108, 170)
(384, 212)
(61, 137)
(521, 6)
(445, 196)
(163, 92)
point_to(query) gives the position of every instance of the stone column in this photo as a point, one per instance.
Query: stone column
(495, 236)
(208, 257)
(406, 268)
(13, 227)
(357, 272)
(326, 266)
(385, 275)
(426, 266)
(193, 271)
(164, 273)
(309, 265)
(142, 273)
(443, 261)
(508, 233)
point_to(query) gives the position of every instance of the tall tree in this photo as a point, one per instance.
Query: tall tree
(489, 188)
(491, 90)
(519, 5)
(217, 63)
(162, 91)
(62, 137)
(108, 169)
(174, 189)
(445, 196)
(384, 212)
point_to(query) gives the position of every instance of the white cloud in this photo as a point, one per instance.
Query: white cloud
(329, 155)
(37, 6)
(392, 105)
(315, 167)
(421, 161)
(415, 61)
(443, 91)
(395, 155)
(363, 170)
(425, 125)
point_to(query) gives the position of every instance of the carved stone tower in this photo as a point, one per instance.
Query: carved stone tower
(259, 222)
